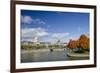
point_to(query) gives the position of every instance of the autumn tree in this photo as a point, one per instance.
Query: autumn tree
(72, 44)
(81, 44)
(84, 42)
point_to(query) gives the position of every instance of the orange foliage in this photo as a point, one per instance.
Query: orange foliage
(82, 42)
(72, 44)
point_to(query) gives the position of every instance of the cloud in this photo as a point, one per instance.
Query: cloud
(26, 19)
(38, 21)
(30, 20)
(33, 32)
(60, 35)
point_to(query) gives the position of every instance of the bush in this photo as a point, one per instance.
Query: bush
(87, 50)
(79, 51)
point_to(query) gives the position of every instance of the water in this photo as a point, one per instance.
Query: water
(44, 56)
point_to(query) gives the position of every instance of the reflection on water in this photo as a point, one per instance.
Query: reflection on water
(43, 56)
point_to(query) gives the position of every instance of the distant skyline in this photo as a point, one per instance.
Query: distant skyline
(50, 26)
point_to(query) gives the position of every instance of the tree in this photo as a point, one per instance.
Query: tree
(79, 45)
(72, 44)
(84, 42)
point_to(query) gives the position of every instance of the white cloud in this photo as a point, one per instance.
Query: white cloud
(30, 34)
(63, 37)
(26, 19)
(60, 35)
(38, 21)
(29, 20)
(33, 32)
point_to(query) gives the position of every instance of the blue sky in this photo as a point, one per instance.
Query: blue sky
(51, 26)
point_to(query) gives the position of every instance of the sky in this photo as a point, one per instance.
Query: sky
(50, 26)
